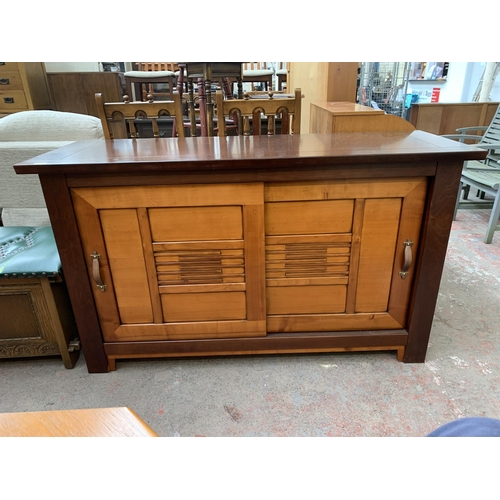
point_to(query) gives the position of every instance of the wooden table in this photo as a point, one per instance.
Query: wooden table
(253, 245)
(342, 116)
(94, 422)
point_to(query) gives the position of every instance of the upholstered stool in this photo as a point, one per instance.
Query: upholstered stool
(143, 82)
(35, 311)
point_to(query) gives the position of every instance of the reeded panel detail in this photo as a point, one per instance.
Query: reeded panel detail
(308, 260)
(201, 266)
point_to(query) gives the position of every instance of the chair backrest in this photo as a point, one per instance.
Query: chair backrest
(490, 136)
(156, 66)
(117, 116)
(252, 66)
(250, 109)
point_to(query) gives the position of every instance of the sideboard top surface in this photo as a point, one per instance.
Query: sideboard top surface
(214, 153)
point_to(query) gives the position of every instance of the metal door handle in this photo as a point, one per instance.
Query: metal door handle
(95, 271)
(408, 259)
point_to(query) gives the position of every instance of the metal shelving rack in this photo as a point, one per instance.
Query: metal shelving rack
(384, 85)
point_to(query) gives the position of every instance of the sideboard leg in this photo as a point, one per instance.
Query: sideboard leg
(432, 253)
(64, 225)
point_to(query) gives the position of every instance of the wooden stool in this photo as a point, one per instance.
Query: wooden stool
(143, 82)
(93, 422)
(36, 314)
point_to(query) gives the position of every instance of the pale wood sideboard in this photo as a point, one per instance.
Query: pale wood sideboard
(253, 245)
(332, 117)
(322, 82)
(444, 118)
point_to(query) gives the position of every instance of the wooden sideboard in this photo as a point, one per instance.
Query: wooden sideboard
(253, 245)
(23, 86)
(75, 92)
(333, 117)
(322, 82)
(444, 118)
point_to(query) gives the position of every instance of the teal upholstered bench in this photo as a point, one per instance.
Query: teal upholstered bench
(36, 315)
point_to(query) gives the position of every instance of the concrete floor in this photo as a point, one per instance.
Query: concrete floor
(307, 395)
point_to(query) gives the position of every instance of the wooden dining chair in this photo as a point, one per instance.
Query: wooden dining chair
(148, 76)
(258, 72)
(194, 106)
(119, 119)
(252, 109)
(281, 75)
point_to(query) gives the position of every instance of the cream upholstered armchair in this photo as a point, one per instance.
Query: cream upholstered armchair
(27, 134)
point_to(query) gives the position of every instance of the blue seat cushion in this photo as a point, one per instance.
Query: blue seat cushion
(27, 251)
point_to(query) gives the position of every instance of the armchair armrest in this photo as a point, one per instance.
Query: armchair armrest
(467, 129)
(462, 137)
(490, 145)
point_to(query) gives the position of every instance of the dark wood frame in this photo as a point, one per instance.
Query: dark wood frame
(286, 158)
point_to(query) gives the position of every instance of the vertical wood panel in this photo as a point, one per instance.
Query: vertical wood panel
(254, 239)
(378, 241)
(93, 241)
(147, 246)
(411, 220)
(67, 237)
(357, 229)
(128, 268)
(430, 258)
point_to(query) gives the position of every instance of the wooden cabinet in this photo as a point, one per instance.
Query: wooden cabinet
(179, 262)
(253, 245)
(322, 82)
(334, 250)
(23, 86)
(75, 92)
(444, 118)
(190, 262)
(333, 117)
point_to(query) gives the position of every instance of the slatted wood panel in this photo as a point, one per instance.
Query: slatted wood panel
(177, 254)
(331, 263)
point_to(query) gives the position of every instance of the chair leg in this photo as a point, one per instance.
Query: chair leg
(457, 203)
(493, 222)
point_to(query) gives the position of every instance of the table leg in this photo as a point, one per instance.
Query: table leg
(203, 107)
(192, 115)
(240, 88)
(209, 107)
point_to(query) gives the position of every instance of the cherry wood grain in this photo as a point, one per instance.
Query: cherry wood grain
(214, 153)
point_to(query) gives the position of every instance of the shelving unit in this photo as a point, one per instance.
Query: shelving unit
(383, 85)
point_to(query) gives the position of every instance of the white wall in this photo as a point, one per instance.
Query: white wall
(61, 67)
(476, 72)
(462, 82)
